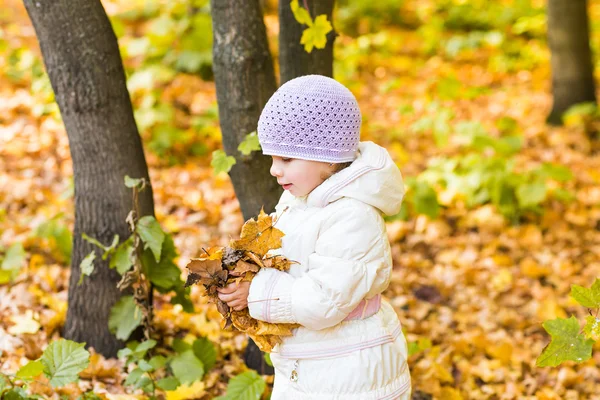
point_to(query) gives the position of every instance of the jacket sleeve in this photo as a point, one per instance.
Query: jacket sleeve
(351, 261)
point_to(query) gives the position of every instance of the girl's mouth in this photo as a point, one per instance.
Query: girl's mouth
(287, 186)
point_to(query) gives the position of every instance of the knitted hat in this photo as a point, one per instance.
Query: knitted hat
(311, 117)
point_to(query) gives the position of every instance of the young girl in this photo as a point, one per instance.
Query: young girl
(350, 344)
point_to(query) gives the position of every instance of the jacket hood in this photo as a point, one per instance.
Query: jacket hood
(372, 178)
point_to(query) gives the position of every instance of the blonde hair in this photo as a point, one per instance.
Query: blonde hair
(337, 168)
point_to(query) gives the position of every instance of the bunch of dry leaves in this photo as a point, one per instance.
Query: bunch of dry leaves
(240, 261)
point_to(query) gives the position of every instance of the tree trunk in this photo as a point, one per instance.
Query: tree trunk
(245, 80)
(572, 70)
(294, 61)
(84, 65)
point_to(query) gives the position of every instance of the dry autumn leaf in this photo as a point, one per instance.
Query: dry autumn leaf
(220, 266)
(259, 236)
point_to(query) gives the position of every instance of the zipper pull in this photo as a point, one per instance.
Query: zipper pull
(294, 374)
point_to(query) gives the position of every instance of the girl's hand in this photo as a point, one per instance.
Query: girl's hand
(235, 295)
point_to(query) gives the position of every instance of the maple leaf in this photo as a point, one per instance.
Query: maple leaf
(259, 236)
(316, 34)
(206, 271)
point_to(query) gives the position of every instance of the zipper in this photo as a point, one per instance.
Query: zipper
(294, 374)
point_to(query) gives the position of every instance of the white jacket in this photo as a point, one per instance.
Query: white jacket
(337, 236)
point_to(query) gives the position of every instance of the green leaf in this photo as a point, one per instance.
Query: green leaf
(4, 382)
(300, 14)
(205, 351)
(87, 266)
(121, 259)
(316, 34)
(181, 346)
(141, 349)
(93, 241)
(158, 362)
(555, 171)
(563, 195)
(14, 257)
(165, 274)
(134, 376)
(187, 367)
(124, 353)
(151, 234)
(182, 297)
(145, 366)
(531, 194)
(63, 361)
(246, 386)
(567, 343)
(420, 345)
(424, 200)
(145, 383)
(249, 144)
(267, 357)
(169, 383)
(31, 369)
(125, 316)
(59, 235)
(134, 182)
(15, 394)
(592, 327)
(589, 298)
(221, 162)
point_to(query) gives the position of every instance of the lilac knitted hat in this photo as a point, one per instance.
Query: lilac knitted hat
(311, 117)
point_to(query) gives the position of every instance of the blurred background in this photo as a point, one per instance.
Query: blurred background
(500, 219)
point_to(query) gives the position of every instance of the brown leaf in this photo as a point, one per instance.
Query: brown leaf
(242, 267)
(208, 270)
(253, 257)
(231, 256)
(259, 236)
(222, 307)
(278, 262)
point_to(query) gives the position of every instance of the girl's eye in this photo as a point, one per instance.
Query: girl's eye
(286, 159)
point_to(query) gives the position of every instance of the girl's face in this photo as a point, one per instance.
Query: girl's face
(300, 177)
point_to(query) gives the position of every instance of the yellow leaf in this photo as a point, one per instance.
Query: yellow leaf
(27, 323)
(549, 309)
(259, 236)
(183, 392)
(278, 262)
(449, 393)
(502, 281)
(301, 14)
(502, 260)
(531, 269)
(265, 335)
(501, 351)
(316, 35)
(442, 373)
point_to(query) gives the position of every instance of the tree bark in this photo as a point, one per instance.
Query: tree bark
(83, 62)
(294, 61)
(245, 80)
(572, 70)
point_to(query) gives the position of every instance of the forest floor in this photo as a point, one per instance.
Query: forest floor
(470, 282)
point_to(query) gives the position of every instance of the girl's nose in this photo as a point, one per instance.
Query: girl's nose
(275, 170)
